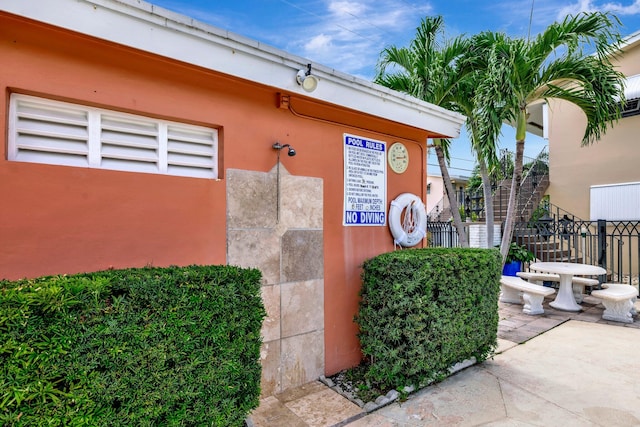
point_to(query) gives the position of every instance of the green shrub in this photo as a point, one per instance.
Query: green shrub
(424, 310)
(519, 253)
(152, 346)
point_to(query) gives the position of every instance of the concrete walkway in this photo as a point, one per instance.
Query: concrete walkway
(557, 369)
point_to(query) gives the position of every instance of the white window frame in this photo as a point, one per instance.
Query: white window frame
(62, 133)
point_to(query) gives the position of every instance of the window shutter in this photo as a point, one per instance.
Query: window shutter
(128, 144)
(190, 151)
(48, 132)
(60, 133)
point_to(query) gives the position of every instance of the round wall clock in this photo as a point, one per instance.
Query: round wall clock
(398, 157)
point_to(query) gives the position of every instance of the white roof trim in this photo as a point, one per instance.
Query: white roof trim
(147, 27)
(630, 40)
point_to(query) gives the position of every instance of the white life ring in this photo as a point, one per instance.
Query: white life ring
(409, 230)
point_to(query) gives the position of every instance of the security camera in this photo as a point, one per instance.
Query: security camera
(291, 152)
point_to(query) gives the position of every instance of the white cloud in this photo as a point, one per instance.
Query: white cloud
(591, 6)
(617, 8)
(319, 43)
(350, 34)
(346, 8)
(576, 8)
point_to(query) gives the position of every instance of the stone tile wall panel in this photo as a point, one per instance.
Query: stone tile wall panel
(287, 245)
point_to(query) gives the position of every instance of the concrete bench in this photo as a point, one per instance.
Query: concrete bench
(618, 301)
(577, 282)
(532, 294)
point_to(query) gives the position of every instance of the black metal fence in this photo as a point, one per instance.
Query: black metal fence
(613, 245)
(554, 234)
(442, 234)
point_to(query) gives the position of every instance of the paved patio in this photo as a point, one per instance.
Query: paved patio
(573, 369)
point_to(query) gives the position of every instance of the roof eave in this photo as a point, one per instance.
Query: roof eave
(141, 25)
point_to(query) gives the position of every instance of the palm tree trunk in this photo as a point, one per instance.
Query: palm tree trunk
(488, 200)
(514, 195)
(451, 195)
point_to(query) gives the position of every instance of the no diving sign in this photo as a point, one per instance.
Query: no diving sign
(365, 181)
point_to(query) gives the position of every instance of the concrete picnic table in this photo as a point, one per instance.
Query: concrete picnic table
(566, 270)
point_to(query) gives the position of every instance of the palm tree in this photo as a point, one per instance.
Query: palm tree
(520, 73)
(428, 70)
(483, 135)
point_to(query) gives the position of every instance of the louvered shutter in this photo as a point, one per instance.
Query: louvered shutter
(128, 144)
(190, 151)
(48, 132)
(60, 133)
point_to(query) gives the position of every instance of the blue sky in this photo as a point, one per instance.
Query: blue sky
(349, 35)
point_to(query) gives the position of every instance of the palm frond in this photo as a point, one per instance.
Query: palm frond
(575, 33)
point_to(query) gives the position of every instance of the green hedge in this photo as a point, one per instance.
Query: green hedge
(140, 347)
(423, 310)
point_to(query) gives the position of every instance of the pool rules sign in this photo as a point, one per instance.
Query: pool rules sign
(365, 181)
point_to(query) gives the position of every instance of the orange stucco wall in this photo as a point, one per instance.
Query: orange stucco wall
(56, 219)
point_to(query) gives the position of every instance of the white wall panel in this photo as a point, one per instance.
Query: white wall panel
(615, 202)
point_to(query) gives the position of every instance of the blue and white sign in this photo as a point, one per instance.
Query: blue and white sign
(365, 181)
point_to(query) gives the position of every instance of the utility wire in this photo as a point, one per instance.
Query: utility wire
(410, 5)
(462, 159)
(459, 158)
(449, 167)
(367, 22)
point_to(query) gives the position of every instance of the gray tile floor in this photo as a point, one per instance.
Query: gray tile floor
(517, 327)
(315, 405)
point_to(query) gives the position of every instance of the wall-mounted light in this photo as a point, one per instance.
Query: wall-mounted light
(305, 79)
(290, 152)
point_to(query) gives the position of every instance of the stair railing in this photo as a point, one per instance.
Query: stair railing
(437, 212)
(536, 173)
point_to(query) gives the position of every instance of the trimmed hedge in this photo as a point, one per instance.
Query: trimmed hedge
(424, 310)
(144, 347)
